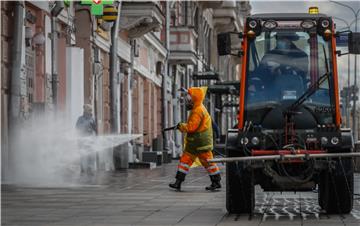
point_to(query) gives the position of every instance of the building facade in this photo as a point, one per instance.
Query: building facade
(194, 60)
(33, 61)
(57, 56)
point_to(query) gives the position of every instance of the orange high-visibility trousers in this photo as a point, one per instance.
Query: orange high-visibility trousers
(188, 159)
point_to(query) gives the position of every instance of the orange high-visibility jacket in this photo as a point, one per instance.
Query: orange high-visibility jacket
(198, 128)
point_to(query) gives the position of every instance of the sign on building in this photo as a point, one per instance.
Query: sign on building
(97, 6)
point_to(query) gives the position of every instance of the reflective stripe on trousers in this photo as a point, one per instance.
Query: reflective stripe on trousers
(188, 159)
(183, 167)
(213, 169)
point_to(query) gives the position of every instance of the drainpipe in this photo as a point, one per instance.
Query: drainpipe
(164, 90)
(176, 109)
(114, 71)
(54, 59)
(55, 11)
(15, 90)
(129, 100)
(16, 69)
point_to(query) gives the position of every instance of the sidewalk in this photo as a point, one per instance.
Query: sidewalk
(142, 197)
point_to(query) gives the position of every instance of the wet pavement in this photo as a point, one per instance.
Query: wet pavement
(142, 197)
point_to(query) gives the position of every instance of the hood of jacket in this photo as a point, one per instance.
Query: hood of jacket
(197, 95)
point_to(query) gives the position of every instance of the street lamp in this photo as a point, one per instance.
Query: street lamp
(344, 21)
(352, 22)
(356, 15)
(348, 25)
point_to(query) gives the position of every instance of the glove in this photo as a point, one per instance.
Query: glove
(180, 126)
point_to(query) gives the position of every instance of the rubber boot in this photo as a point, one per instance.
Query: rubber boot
(176, 185)
(215, 182)
(180, 177)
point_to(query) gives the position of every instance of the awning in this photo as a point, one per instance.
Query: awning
(206, 75)
(229, 87)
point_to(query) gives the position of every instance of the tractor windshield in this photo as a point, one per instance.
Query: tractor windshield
(282, 65)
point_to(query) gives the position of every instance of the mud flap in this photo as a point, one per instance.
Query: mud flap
(338, 188)
(240, 192)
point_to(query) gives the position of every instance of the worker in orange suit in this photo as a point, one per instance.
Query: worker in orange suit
(198, 142)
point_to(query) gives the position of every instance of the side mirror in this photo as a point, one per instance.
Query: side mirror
(224, 44)
(354, 42)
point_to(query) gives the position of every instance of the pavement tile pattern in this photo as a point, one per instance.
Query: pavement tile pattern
(142, 197)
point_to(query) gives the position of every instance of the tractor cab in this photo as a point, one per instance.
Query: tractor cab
(285, 59)
(289, 122)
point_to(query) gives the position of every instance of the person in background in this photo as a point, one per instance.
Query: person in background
(86, 127)
(286, 56)
(283, 68)
(198, 140)
(216, 130)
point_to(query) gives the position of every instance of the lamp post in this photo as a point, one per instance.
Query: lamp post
(356, 15)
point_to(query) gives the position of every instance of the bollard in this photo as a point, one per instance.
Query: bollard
(120, 157)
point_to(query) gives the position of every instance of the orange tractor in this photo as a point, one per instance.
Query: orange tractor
(289, 135)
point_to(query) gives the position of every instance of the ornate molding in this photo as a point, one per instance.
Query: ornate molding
(140, 26)
(140, 18)
(128, 23)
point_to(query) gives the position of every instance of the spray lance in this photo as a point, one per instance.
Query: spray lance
(171, 128)
(184, 91)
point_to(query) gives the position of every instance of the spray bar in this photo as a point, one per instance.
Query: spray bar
(284, 157)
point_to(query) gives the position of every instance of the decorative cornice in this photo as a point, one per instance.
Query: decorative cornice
(140, 18)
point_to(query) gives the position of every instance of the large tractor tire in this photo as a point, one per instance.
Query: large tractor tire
(337, 188)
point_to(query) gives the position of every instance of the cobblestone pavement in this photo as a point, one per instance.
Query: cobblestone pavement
(142, 197)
